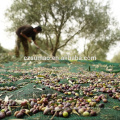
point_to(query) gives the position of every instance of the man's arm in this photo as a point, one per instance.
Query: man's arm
(25, 37)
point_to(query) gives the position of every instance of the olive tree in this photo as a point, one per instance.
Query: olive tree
(61, 20)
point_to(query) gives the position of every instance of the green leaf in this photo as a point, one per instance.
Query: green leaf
(116, 107)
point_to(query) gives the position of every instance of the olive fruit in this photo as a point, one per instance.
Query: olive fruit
(61, 114)
(105, 100)
(32, 103)
(2, 115)
(101, 105)
(8, 113)
(19, 114)
(24, 103)
(93, 113)
(81, 110)
(35, 111)
(46, 111)
(16, 113)
(68, 109)
(92, 104)
(65, 114)
(86, 113)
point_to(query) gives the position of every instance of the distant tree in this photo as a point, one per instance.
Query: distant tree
(99, 46)
(3, 50)
(116, 58)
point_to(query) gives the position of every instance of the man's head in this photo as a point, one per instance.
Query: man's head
(37, 29)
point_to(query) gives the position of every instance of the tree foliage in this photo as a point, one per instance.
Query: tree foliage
(99, 46)
(3, 50)
(61, 20)
(116, 58)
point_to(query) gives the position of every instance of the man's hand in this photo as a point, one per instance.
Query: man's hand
(29, 40)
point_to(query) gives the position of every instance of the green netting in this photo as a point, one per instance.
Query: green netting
(28, 90)
(100, 66)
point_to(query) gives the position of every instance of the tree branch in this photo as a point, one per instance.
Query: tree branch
(94, 50)
(53, 16)
(84, 45)
(50, 41)
(71, 37)
(47, 41)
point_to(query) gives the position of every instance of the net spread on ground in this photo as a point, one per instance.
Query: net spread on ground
(72, 90)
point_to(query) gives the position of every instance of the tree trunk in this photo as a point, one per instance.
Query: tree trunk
(54, 52)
